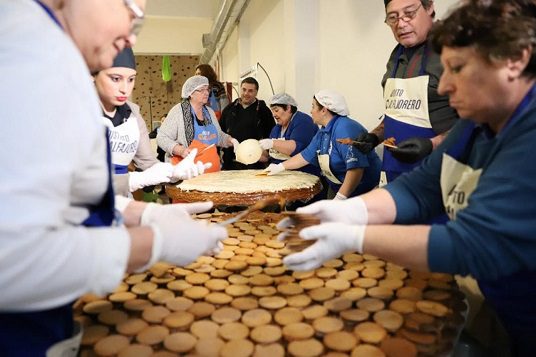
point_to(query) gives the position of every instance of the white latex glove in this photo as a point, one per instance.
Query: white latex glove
(339, 196)
(153, 211)
(266, 144)
(332, 241)
(235, 144)
(154, 175)
(274, 169)
(180, 240)
(187, 168)
(351, 211)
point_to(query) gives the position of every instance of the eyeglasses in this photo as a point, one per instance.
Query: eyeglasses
(139, 15)
(393, 19)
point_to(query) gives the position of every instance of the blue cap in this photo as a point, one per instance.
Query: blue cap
(125, 58)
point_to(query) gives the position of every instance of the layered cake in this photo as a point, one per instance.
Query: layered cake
(245, 302)
(245, 187)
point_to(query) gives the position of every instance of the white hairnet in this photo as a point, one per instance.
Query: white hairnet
(333, 101)
(283, 99)
(192, 84)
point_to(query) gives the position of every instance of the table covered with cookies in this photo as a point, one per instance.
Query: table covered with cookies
(245, 302)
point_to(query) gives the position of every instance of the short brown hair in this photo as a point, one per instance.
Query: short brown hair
(498, 30)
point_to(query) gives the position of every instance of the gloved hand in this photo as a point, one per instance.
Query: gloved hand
(186, 169)
(180, 240)
(235, 144)
(153, 211)
(154, 175)
(266, 144)
(340, 197)
(332, 240)
(366, 142)
(351, 211)
(412, 150)
(274, 169)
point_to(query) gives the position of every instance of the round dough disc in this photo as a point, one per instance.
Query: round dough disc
(248, 151)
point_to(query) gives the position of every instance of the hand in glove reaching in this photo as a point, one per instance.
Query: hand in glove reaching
(178, 239)
(266, 144)
(332, 241)
(366, 142)
(274, 169)
(154, 175)
(187, 168)
(412, 150)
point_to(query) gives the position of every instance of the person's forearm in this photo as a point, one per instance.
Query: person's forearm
(351, 181)
(286, 147)
(403, 245)
(295, 162)
(141, 245)
(381, 207)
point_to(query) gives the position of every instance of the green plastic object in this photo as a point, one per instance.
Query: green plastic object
(166, 69)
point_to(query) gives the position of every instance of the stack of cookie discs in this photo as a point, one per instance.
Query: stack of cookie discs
(245, 302)
(296, 222)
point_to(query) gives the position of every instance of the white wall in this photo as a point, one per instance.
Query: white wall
(172, 35)
(308, 45)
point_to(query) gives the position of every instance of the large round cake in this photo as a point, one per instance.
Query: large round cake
(245, 187)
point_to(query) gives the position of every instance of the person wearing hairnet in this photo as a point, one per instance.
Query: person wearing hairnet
(192, 124)
(129, 139)
(348, 171)
(292, 133)
(416, 115)
(61, 234)
(482, 176)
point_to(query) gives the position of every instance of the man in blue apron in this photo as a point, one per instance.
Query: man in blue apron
(415, 114)
(57, 241)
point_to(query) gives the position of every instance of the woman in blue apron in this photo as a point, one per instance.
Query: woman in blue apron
(481, 176)
(129, 139)
(348, 171)
(193, 124)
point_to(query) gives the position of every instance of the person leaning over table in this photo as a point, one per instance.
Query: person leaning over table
(348, 171)
(292, 133)
(481, 175)
(193, 124)
(57, 238)
(127, 133)
(416, 115)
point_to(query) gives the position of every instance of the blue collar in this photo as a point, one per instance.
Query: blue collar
(49, 12)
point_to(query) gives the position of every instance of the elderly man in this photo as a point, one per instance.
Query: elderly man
(415, 114)
(246, 118)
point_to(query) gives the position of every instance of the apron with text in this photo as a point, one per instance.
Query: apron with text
(124, 141)
(510, 296)
(53, 332)
(406, 113)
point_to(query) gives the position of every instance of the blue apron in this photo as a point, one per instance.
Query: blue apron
(207, 134)
(32, 333)
(513, 297)
(406, 113)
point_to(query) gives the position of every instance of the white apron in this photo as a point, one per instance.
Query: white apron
(323, 162)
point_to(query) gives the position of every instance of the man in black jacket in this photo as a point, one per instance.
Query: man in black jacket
(246, 118)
